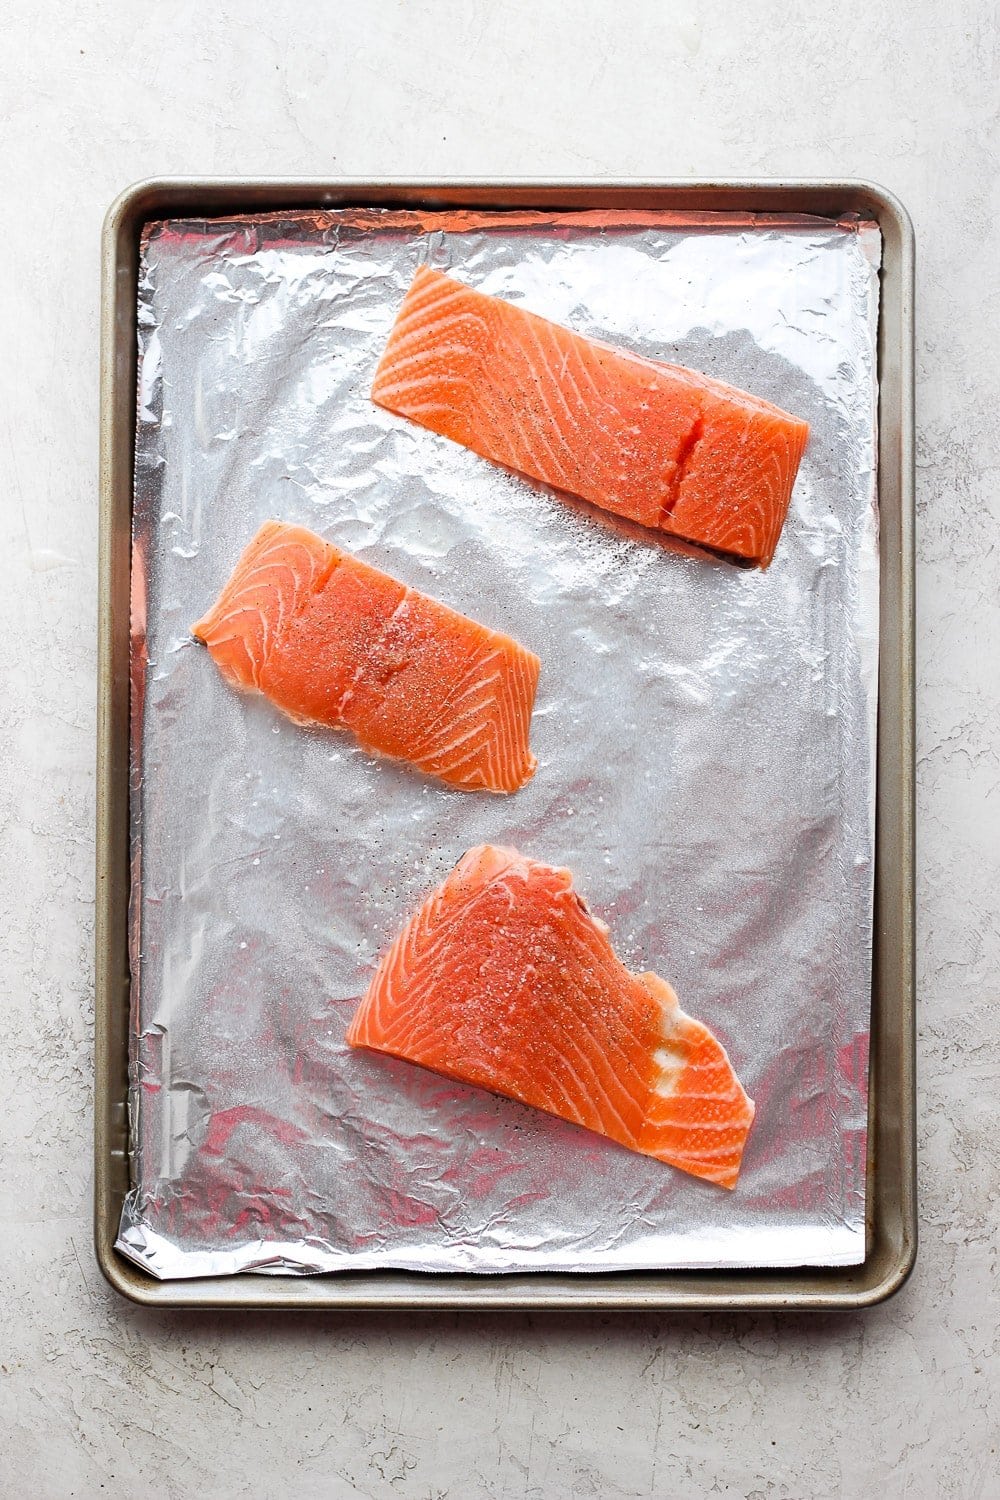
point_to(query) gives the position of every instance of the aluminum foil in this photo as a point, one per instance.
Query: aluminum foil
(705, 737)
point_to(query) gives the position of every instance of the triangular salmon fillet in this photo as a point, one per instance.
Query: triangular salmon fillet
(333, 641)
(665, 446)
(504, 979)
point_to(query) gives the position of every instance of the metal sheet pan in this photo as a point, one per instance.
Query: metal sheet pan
(891, 1213)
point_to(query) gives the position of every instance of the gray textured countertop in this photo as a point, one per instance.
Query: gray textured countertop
(100, 1399)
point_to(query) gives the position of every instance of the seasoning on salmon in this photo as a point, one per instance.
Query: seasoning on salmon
(667, 447)
(504, 979)
(333, 641)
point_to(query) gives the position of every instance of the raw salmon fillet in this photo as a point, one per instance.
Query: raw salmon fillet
(331, 640)
(504, 979)
(665, 446)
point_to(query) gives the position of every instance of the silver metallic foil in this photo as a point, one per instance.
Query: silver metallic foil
(705, 736)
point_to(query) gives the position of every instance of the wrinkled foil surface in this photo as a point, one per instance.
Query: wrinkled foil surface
(705, 736)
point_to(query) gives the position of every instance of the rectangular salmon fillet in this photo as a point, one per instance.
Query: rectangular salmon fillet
(504, 979)
(664, 446)
(333, 641)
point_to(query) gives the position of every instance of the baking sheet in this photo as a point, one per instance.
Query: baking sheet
(705, 737)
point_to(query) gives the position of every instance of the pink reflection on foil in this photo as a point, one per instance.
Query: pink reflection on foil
(489, 1166)
(401, 1209)
(224, 1121)
(852, 1062)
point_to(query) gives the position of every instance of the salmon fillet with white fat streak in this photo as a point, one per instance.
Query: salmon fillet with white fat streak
(662, 445)
(333, 641)
(504, 979)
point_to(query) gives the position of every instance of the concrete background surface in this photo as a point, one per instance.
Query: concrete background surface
(99, 1399)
